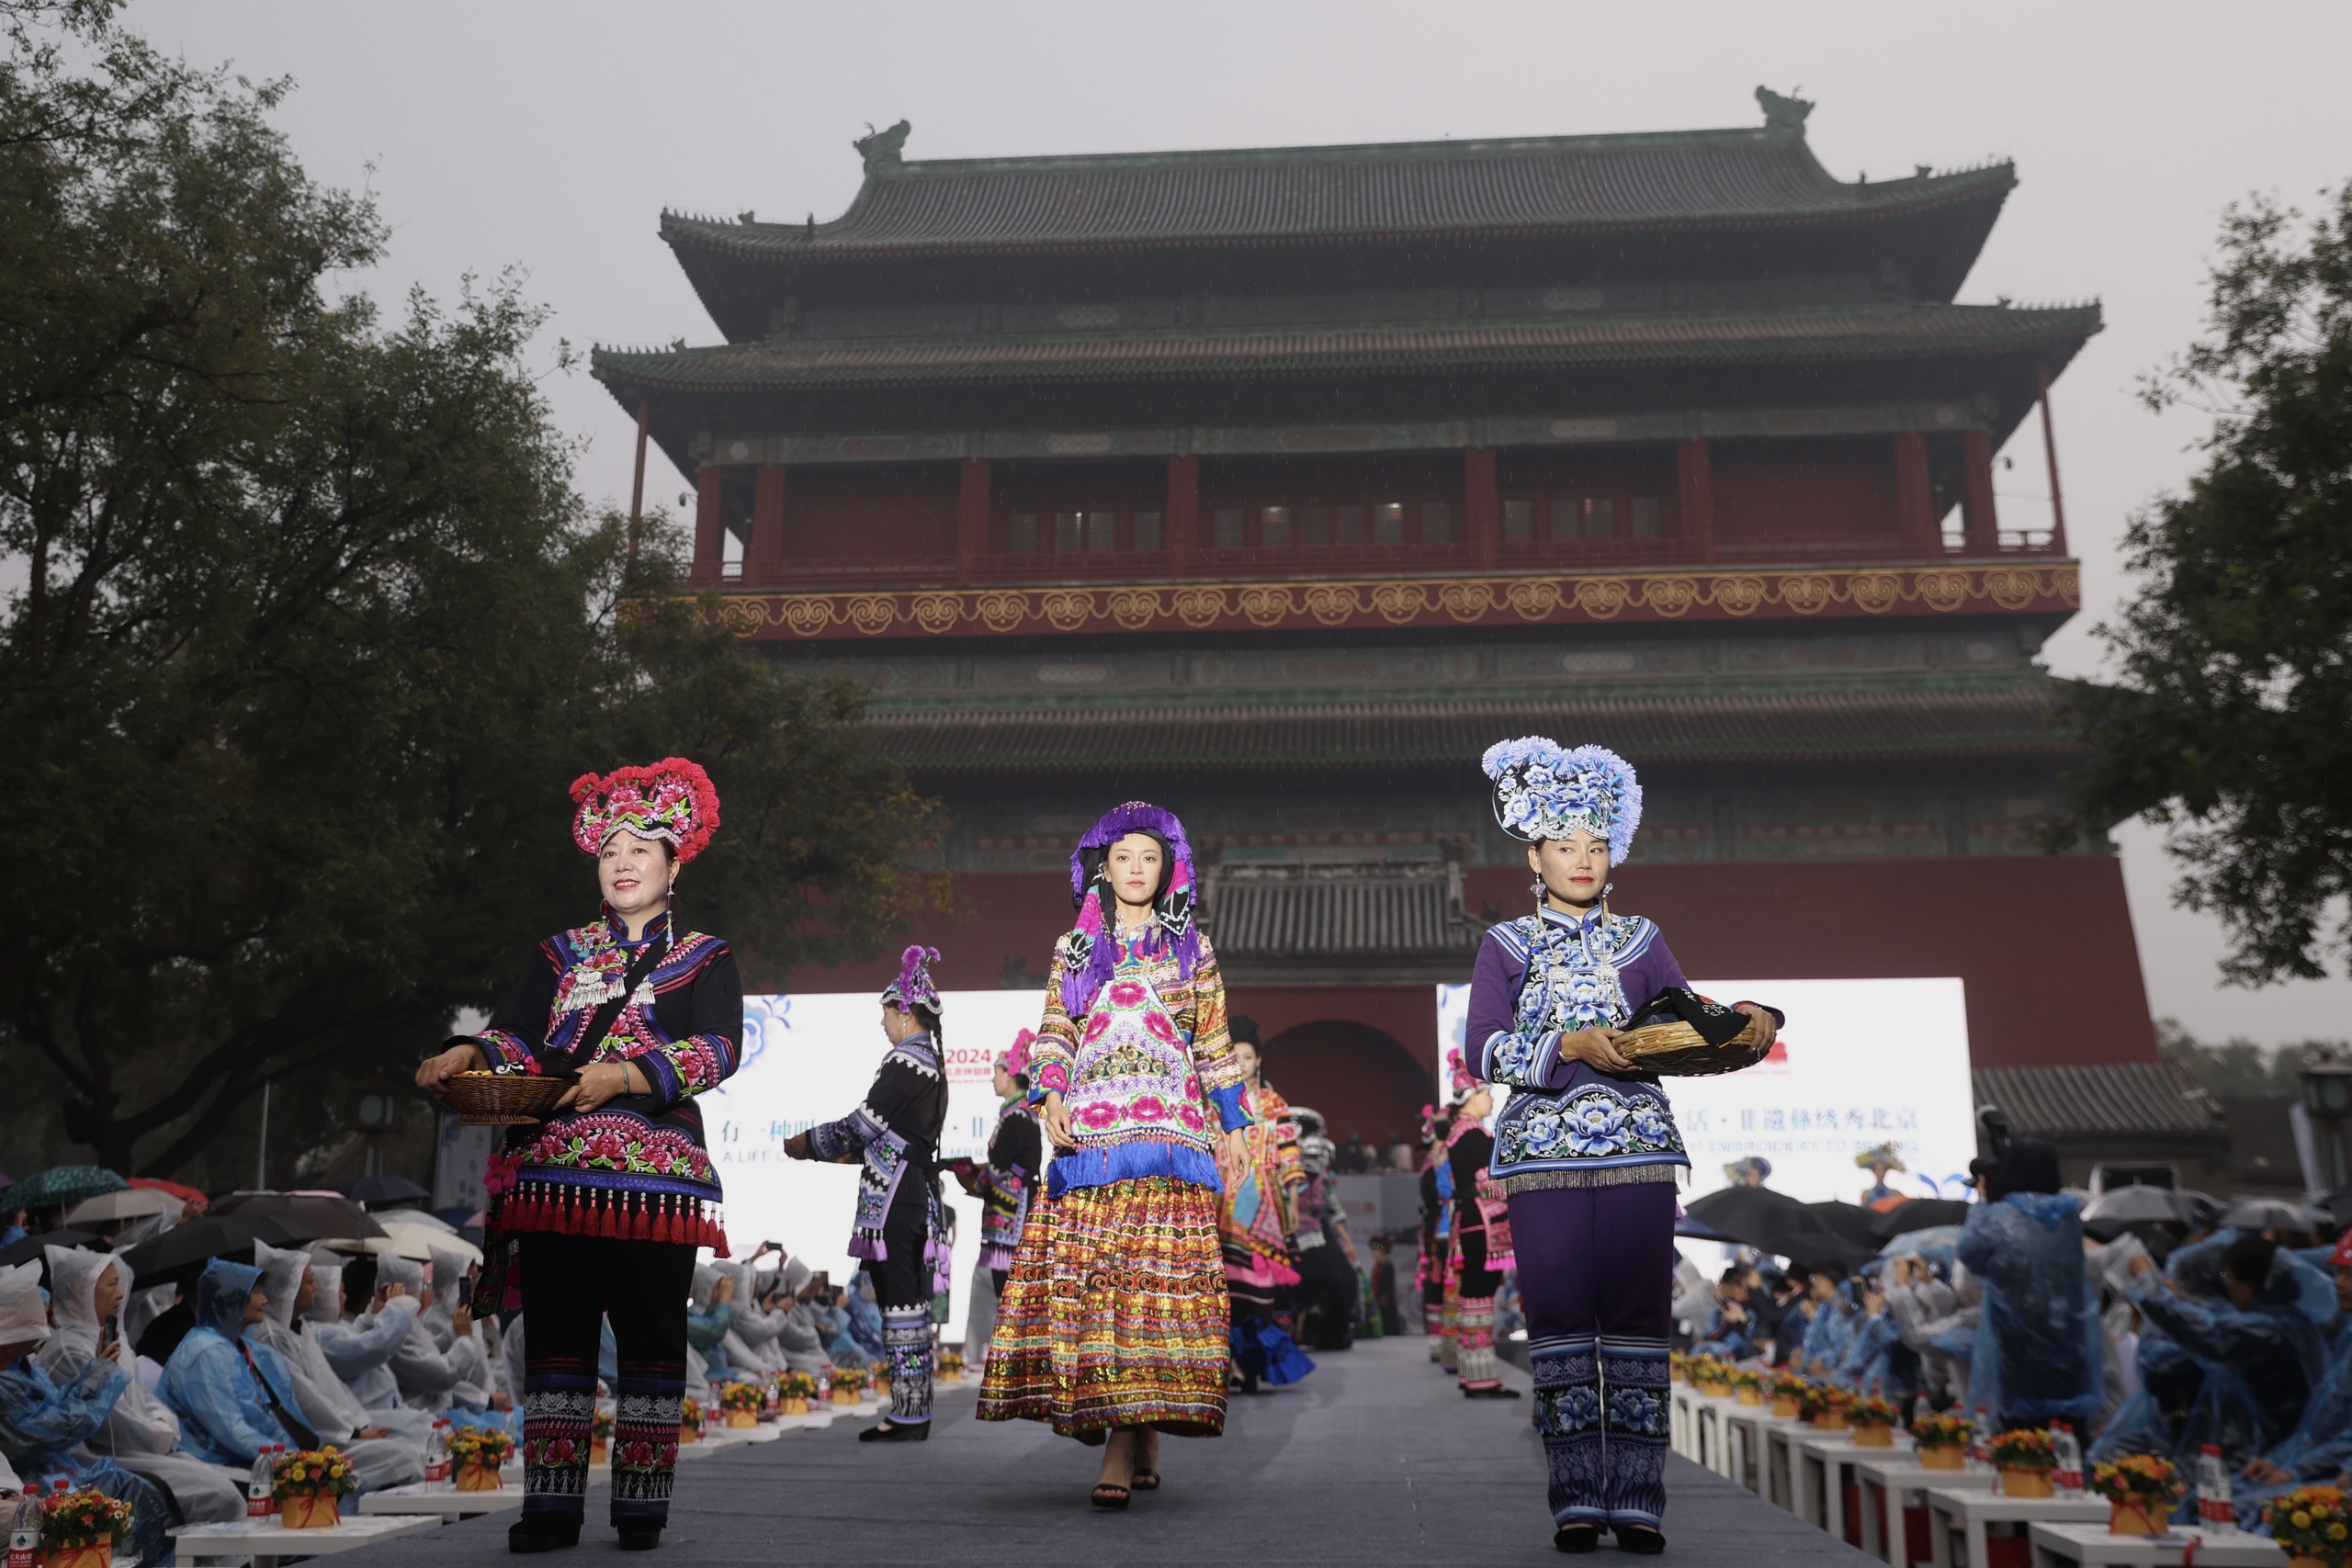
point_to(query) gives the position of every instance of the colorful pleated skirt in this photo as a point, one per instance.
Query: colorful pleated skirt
(1114, 1314)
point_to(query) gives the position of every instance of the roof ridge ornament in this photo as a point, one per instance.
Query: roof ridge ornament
(880, 148)
(1783, 113)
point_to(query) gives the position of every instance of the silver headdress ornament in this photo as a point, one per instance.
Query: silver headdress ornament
(1543, 791)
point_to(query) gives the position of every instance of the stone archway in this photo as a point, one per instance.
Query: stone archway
(1362, 1079)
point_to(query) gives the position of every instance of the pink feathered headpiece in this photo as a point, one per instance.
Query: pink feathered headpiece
(1016, 1061)
(673, 800)
(1458, 1075)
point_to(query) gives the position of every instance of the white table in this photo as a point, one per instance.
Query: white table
(2090, 1546)
(1836, 1454)
(1747, 1443)
(1893, 1478)
(267, 1541)
(1700, 1417)
(442, 1500)
(1965, 1511)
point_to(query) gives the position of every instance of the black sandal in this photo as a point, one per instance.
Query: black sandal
(1146, 1480)
(1106, 1495)
(1640, 1540)
(1577, 1539)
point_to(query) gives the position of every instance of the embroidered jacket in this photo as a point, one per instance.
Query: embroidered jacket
(1008, 1181)
(895, 1133)
(636, 1167)
(1257, 1217)
(1145, 1071)
(1567, 1124)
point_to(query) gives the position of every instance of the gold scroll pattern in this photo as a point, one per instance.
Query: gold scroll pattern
(1940, 590)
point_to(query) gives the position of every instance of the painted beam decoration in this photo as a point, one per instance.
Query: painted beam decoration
(1717, 594)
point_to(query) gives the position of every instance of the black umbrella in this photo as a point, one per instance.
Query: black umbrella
(324, 1213)
(33, 1249)
(180, 1254)
(1850, 1221)
(377, 1190)
(1821, 1249)
(1918, 1214)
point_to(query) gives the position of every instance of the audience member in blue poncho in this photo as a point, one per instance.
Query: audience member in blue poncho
(865, 1315)
(708, 1317)
(1832, 1325)
(43, 1424)
(2233, 1349)
(233, 1397)
(2319, 1450)
(2038, 1356)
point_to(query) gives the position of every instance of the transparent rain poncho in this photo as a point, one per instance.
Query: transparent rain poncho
(2212, 1373)
(213, 1381)
(43, 1423)
(2037, 1356)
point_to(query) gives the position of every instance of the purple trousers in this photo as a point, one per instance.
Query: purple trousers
(1596, 1280)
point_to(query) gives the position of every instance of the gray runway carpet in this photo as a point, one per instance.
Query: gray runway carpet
(1373, 1459)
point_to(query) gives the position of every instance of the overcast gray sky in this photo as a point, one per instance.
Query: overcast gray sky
(549, 137)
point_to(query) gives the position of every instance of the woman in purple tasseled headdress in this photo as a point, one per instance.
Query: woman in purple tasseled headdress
(1114, 1321)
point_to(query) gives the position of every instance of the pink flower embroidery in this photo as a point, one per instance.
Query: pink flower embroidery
(1193, 1087)
(1190, 1116)
(1098, 1026)
(1148, 1108)
(1099, 1115)
(1126, 994)
(1161, 1028)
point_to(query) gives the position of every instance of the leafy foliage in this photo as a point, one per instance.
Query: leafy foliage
(2230, 720)
(2240, 1067)
(308, 632)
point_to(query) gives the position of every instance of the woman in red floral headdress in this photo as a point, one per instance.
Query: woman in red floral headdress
(602, 1206)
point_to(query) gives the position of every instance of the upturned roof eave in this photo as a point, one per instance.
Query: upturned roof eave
(609, 364)
(773, 244)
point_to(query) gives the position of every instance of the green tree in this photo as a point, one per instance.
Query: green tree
(311, 633)
(2232, 722)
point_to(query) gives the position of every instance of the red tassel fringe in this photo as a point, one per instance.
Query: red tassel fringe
(550, 1207)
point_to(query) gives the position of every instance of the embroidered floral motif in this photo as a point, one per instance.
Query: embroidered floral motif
(617, 1141)
(1591, 1122)
(1577, 1409)
(1637, 1411)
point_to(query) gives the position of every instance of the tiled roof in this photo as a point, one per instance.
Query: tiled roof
(1535, 185)
(1810, 336)
(2112, 1099)
(1934, 723)
(1327, 910)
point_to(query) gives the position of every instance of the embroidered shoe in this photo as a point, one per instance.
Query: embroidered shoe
(541, 1532)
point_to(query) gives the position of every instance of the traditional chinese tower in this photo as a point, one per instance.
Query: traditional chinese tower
(1273, 485)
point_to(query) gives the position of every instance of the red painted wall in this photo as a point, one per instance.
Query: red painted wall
(1804, 489)
(2044, 944)
(851, 510)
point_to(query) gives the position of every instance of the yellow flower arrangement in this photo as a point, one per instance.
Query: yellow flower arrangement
(314, 1472)
(2312, 1521)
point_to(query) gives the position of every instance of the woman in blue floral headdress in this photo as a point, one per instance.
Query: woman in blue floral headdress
(1586, 1148)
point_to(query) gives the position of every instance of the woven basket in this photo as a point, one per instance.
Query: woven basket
(1677, 1050)
(491, 1100)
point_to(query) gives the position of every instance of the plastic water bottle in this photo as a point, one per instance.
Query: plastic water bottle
(1980, 1447)
(436, 1453)
(24, 1530)
(2214, 1506)
(260, 1484)
(2070, 1456)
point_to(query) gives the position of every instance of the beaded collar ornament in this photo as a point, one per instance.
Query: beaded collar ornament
(1175, 913)
(674, 799)
(1545, 791)
(913, 987)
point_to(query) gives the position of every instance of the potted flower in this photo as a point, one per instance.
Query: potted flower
(1789, 1395)
(796, 1389)
(1747, 1387)
(81, 1530)
(847, 1382)
(1872, 1420)
(1710, 1376)
(476, 1454)
(2311, 1523)
(1825, 1407)
(600, 1436)
(881, 1389)
(740, 1401)
(951, 1366)
(2025, 1456)
(1942, 1441)
(310, 1487)
(690, 1419)
(2140, 1490)
(1678, 1366)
